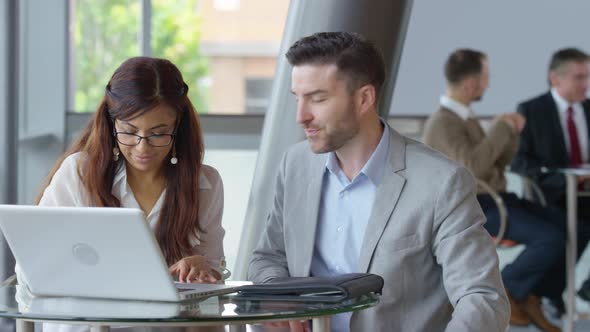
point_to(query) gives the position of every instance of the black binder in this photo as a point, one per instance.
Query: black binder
(314, 289)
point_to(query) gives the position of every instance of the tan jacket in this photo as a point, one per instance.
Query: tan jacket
(464, 141)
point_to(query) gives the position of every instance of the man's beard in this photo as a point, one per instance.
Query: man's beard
(335, 140)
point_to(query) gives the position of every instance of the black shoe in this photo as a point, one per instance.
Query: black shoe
(584, 292)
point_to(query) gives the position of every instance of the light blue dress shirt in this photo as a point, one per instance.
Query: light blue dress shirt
(344, 213)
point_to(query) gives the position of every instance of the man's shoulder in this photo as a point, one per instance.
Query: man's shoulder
(444, 114)
(300, 149)
(422, 160)
(440, 120)
(540, 101)
(417, 151)
(430, 174)
(299, 160)
(302, 152)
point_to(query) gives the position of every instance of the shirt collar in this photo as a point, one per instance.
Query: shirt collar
(562, 104)
(373, 169)
(456, 107)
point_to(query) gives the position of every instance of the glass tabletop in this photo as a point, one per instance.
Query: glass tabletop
(583, 169)
(16, 302)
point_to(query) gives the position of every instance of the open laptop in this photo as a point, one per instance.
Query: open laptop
(93, 252)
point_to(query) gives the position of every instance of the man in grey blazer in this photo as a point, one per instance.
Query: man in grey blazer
(366, 199)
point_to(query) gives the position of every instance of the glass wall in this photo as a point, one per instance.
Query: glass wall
(226, 50)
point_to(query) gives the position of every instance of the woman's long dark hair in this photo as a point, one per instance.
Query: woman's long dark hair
(137, 86)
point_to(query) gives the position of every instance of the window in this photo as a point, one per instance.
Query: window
(225, 49)
(257, 94)
(102, 34)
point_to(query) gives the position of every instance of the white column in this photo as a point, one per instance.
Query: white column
(8, 128)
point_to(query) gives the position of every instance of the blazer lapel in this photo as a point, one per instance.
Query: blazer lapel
(586, 106)
(386, 198)
(311, 213)
(555, 123)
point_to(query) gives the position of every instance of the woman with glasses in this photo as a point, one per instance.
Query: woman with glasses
(144, 149)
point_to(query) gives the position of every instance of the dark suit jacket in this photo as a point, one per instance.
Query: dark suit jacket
(542, 144)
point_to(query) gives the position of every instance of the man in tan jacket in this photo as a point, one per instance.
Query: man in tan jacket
(455, 131)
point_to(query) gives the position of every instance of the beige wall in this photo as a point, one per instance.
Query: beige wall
(255, 20)
(240, 44)
(260, 66)
(227, 93)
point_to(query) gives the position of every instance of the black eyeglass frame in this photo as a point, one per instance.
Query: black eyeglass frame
(147, 138)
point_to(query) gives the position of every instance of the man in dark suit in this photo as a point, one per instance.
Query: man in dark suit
(556, 135)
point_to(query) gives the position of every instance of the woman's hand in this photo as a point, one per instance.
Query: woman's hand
(194, 269)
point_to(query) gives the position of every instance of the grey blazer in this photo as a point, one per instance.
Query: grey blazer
(425, 238)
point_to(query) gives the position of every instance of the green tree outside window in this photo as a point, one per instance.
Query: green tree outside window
(106, 32)
(176, 32)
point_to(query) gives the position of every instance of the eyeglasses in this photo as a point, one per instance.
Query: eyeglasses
(155, 140)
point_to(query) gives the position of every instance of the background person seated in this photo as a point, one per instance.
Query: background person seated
(455, 131)
(556, 135)
(144, 149)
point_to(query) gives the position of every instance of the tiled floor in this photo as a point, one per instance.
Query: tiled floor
(582, 272)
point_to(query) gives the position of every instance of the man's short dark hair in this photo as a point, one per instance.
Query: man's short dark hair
(463, 63)
(565, 56)
(354, 56)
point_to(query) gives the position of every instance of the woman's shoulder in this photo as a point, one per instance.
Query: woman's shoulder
(65, 187)
(71, 162)
(209, 178)
(210, 197)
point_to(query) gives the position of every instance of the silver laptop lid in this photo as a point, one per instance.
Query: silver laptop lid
(87, 252)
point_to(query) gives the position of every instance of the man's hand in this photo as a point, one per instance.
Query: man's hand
(194, 269)
(583, 179)
(515, 120)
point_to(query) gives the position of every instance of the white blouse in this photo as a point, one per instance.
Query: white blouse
(66, 189)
